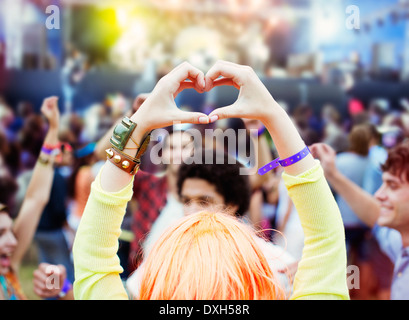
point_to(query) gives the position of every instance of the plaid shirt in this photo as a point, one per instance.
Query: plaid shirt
(150, 193)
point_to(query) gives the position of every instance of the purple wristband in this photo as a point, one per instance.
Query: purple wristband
(46, 150)
(285, 162)
(67, 286)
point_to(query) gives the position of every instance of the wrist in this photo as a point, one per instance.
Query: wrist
(135, 141)
(53, 127)
(52, 137)
(142, 120)
(67, 286)
(273, 113)
(129, 142)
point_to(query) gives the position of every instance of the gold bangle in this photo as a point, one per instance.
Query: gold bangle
(43, 160)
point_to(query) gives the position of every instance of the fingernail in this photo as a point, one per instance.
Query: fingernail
(203, 119)
(214, 118)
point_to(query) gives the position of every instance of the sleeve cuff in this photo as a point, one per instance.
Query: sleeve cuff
(310, 176)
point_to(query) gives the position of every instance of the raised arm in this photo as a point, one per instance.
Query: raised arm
(361, 202)
(262, 152)
(322, 270)
(255, 102)
(39, 188)
(103, 143)
(95, 249)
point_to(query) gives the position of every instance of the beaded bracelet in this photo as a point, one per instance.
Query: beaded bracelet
(285, 162)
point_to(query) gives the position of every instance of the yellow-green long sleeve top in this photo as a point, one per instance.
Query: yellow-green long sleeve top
(321, 272)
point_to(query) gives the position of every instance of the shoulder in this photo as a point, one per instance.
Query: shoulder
(389, 240)
(273, 252)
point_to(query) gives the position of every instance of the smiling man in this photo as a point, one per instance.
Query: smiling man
(387, 212)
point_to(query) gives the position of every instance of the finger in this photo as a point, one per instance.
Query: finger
(328, 149)
(39, 284)
(39, 280)
(39, 274)
(38, 291)
(314, 149)
(187, 71)
(230, 111)
(184, 85)
(53, 269)
(225, 69)
(225, 82)
(50, 101)
(43, 266)
(63, 270)
(191, 117)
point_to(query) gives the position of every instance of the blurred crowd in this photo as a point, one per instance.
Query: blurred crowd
(360, 138)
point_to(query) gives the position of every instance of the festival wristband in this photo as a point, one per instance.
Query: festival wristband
(48, 149)
(285, 162)
(67, 286)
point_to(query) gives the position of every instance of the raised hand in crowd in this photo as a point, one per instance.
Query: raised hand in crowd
(17, 236)
(361, 202)
(39, 188)
(50, 281)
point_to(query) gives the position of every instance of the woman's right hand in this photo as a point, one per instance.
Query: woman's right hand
(255, 102)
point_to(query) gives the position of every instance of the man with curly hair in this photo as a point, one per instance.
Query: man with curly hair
(208, 183)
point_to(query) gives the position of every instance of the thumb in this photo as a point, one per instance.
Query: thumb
(230, 111)
(192, 117)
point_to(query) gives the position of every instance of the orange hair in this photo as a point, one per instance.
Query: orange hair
(208, 256)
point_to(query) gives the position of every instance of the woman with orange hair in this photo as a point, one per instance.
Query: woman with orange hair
(209, 255)
(219, 260)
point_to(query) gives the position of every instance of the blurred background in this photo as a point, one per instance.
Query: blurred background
(307, 51)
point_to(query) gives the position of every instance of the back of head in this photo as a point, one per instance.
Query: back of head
(359, 138)
(397, 162)
(222, 171)
(208, 256)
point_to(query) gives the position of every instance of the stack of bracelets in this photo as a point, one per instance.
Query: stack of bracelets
(50, 151)
(120, 137)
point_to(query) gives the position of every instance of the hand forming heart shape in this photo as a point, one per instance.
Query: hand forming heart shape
(160, 110)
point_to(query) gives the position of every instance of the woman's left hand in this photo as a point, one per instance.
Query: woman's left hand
(160, 110)
(50, 110)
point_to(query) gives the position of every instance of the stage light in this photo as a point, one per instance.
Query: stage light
(122, 17)
(326, 27)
